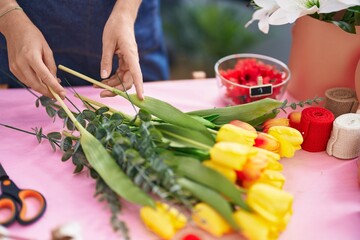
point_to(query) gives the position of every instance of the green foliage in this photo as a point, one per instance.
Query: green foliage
(201, 32)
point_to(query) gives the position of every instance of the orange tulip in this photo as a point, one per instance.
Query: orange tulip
(252, 168)
(268, 142)
(270, 177)
(275, 122)
(243, 125)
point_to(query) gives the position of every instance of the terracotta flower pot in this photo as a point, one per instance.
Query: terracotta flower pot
(322, 56)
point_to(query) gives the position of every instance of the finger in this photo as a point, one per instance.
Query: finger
(108, 50)
(50, 62)
(107, 93)
(135, 70)
(31, 80)
(125, 85)
(46, 77)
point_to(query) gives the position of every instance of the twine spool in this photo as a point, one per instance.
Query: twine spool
(344, 142)
(315, 126)
(341, 100)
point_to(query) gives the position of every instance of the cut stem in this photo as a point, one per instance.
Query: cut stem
(91, 80)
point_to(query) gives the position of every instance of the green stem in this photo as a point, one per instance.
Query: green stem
(99, 104)
(68, 112)
(91, 80)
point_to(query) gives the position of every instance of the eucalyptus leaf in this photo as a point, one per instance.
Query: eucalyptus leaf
(54, 135)
(102, 110)
(50, 111)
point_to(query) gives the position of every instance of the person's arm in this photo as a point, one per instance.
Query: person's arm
(30, 57)
(119, 39)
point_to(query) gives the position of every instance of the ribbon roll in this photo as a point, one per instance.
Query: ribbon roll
(344, 142)
(341, 100)
(315, 126)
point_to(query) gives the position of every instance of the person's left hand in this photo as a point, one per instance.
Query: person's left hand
(119, 39)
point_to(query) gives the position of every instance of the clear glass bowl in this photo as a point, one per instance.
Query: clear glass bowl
(244, 78)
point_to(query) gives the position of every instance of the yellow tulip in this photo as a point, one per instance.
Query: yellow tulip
(208, 219)
(271, 177)
(227, 172)
(232, 133)
(164, 221)
(271, 203)
(177, 219)
(231, 155)
(290, 140)
(274, 165)
(270, 155)
(243, 125)
(253, 227)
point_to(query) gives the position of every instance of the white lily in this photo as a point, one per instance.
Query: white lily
(328, 6)
(267, 7)
(290, 10)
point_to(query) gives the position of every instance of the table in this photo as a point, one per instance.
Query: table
(327, 196)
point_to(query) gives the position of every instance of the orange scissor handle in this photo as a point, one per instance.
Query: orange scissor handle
(8, 203)
(25, 194)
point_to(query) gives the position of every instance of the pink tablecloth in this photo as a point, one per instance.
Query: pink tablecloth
(327, 196)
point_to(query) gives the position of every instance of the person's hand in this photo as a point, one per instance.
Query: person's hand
(119, 39)
(30, 57)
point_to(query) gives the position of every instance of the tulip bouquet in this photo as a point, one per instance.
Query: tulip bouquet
(343, 13)
(212, 166)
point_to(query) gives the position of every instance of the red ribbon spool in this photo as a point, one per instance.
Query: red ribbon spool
(315, 126)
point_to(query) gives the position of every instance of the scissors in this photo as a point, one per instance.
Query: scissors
(12, 198)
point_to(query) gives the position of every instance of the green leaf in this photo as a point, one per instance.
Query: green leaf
(347, 27)
(102, 110)
(66, 144)
(209, 196)
(67, 155)
(69, 124)
(37, 102)
(168, 113)
(144, 115)
(50, 111)
(46, 101)
(61, 113)
(88, 114)
(54, 135)
(78, 168)
(204, 121)
(245, 112)
(195, 171)
(185, 136)
(110, 172)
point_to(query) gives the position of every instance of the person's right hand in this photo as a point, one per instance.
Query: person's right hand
(30, 57)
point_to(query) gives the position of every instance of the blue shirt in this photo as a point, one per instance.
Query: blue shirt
(73, 30)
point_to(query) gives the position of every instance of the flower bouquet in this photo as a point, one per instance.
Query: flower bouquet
(343, 13)
(212, 166)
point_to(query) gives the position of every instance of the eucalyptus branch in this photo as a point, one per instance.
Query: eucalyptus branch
(38, 133)
(294, 105)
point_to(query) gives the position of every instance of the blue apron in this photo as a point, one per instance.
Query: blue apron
(73, 30)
